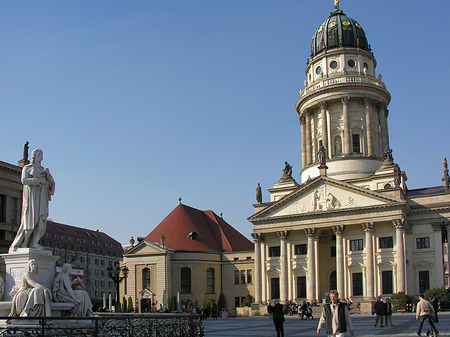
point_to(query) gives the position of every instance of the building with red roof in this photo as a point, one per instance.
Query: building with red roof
(193, 253)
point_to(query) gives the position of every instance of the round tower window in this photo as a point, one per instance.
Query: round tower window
(333, 64)
(318, 70)
(351, 63)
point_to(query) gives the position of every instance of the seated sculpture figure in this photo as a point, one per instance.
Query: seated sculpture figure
(63, 292)
(32, 299)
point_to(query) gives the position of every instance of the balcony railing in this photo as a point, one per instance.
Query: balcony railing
(120, 325)
(341, 79)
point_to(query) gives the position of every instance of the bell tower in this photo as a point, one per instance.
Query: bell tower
(343, 105)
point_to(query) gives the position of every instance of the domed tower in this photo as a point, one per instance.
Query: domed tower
(343, 105)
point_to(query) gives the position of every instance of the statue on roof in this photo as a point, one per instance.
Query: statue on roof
(258, 194)
(397, 176)
(38, 188)
(387, 155)
(287, 172)
(446, 178)
(336, 4)
(25, 151)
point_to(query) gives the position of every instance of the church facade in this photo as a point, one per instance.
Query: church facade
(352, 224)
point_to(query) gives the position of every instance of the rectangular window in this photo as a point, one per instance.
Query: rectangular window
(423, 243)
(386, 242)
(237, 302)
(210, 281)
(301, 286)
(356, 244)
(333, 251)
(249, 276)
(301, 249)
(386, 277)
(356, 144)
(274, 251)
(236, 277)
(424, 281)
(357, 284)
(275, 288)
(2, 208)
(242, 276)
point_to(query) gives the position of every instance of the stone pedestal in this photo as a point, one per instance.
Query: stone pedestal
(17, 264)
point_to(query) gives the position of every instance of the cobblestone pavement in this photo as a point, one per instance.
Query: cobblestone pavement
(404, 325)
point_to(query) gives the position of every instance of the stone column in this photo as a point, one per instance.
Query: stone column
(323, 113)
(283, 235)
(258, 239)
(347, 137)
(303, 134)
(308, 114)
(311, 282)
(438, 254)
(338, 230)
(370, 291)
(264, 287)
(399, 225)
(383, 124)
(369, 133)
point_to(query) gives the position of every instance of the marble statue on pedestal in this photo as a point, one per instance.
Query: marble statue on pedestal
(63, 292)
(38, 187)
(32, 299)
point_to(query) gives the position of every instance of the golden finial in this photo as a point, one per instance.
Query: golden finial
(336, 4)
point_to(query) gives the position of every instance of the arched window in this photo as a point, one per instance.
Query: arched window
(333, 283)
(145, 278)
(210, 280)
(185, 280)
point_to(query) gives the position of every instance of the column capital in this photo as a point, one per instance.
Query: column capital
(310, 232)
(366, 101)
(308, 112)
(283, 235)
(338, 229)
(323, 104)
(258, 237)
(345, 100)
(440, 226)
(302, 120)
(368, 226)
(399, 223)
(381, 105)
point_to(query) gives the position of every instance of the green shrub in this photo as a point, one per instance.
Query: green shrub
(188, 305)
(124, 305)
(442, 295)
(248, 301)
(173, 304)
(213, 308)
(130, 305)
(222, 302)
(399, 301)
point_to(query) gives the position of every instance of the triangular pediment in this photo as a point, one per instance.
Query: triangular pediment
(325, 195)
(146, 248)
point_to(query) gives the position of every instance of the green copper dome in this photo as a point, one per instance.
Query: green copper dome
(338, 31)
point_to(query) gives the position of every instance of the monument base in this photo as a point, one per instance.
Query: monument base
(16, 263)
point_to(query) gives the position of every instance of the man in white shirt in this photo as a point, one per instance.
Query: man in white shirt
(336, 317)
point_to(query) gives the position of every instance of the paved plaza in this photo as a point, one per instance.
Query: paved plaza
(404, 325)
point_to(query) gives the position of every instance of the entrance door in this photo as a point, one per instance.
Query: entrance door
(333, 283)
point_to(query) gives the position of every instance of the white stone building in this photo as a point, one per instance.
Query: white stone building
(352, 225)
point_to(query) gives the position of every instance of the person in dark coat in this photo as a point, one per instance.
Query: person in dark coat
(277, 311)
(379, 308)
(388, 305)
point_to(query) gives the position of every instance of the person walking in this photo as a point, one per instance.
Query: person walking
(277, 311)
(388, 306)
(424, 310)
(336, 317)
(379, 309)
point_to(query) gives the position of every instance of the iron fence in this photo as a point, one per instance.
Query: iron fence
(104, 325)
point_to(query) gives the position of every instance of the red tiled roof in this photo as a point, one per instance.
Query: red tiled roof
(213, 233)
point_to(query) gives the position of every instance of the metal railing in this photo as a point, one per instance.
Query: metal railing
(341, 79)
(104, 325)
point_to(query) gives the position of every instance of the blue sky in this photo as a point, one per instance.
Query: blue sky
(136, 103)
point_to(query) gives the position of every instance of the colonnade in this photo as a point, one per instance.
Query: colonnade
(375, 141)
(262, 284)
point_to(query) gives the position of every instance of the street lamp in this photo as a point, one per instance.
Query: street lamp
(114, 274)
